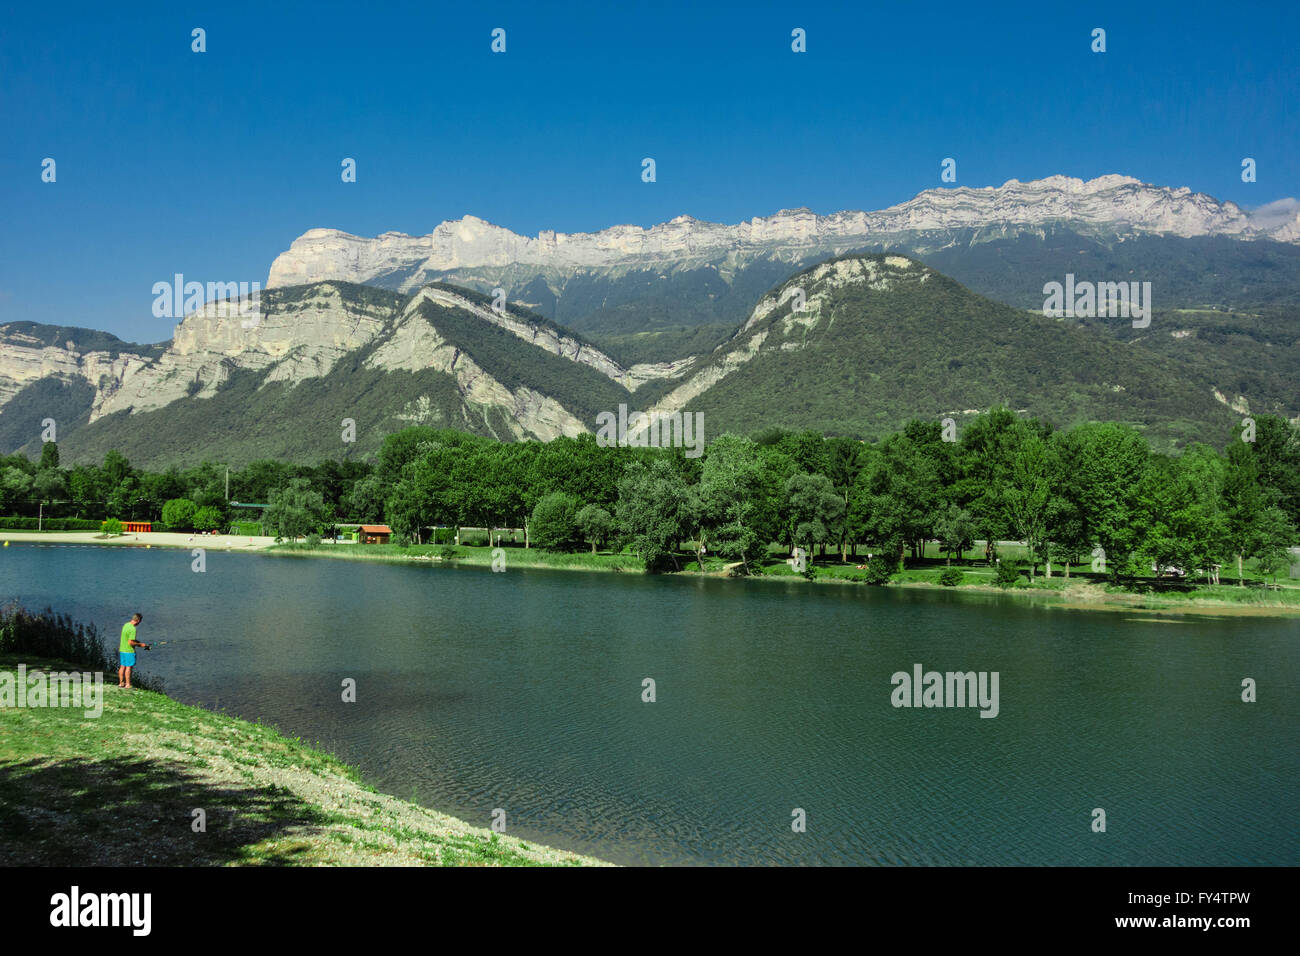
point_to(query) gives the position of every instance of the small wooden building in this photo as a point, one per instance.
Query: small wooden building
(375, 534)
(137, 526)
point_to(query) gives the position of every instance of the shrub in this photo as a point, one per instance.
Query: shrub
(207, 518)
(879, 569)
(49, 524)
(447, 553)
(110, 526)
(1006, 574)
(57, 637)
(313, 540)
(51, 635)
(178, 513)
(246, 527)
(951, 577)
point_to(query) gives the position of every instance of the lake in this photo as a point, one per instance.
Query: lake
(523, 691)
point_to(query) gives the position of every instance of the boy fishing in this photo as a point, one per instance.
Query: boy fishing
(126, 650)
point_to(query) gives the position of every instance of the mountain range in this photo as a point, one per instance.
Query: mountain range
(850, 323)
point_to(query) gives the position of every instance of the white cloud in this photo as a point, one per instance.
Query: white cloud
(1274, 214)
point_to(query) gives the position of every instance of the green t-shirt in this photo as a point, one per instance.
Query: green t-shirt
(128, 635)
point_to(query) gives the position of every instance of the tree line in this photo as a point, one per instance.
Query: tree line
(1095, 493)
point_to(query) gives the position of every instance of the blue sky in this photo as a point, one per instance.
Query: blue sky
(211, 164)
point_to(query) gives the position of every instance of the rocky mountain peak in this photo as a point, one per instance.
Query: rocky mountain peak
(1112, 205)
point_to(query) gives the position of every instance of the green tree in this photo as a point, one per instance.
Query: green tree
(905, 497)
(405, 510)
(85, 490)
(400, 449)
(1276, 535)
(205, 484)
(366, 501)
(814, 508)
(955, 531)
(1244, 503)
(488, 485)
(1109, 467)
(433, 484)
(807, 450)
(653, 510)
(595, 524)
(984, 471)
(1069, 537)
(858, 517)
(15, 489)
(49, 456)
(553, 522)
(253, 483)
(49, 485)
(295, 510)
(735, 514)
(116, 468)
(580, 467)
(777, 467)
(844, 462)
(1027, 496)
(157, 488)
(125, 498)
(1277, 454)
(207, 518)
(178, 514)
(1184, 522)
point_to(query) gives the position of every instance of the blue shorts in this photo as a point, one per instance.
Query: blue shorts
(126, 659)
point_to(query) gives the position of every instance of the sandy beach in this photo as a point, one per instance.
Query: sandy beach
(151, 539)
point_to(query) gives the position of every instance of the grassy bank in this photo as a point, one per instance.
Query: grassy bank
(121, 788)
(468, 556)
(1082, 589)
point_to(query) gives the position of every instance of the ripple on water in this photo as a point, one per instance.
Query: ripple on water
(478, 691)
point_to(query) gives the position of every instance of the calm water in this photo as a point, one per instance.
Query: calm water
(523, 691)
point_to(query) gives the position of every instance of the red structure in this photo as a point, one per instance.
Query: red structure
(375, 533)
(130, 526)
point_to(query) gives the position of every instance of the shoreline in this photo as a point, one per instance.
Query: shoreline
(1076, 597)
(1083, 596)
(1089, 597)
(284, 802)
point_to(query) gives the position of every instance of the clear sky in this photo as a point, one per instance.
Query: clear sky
(210, 164)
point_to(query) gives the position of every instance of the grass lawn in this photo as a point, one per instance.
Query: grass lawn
(121, 789)
(514, 556)
(1082, 583)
